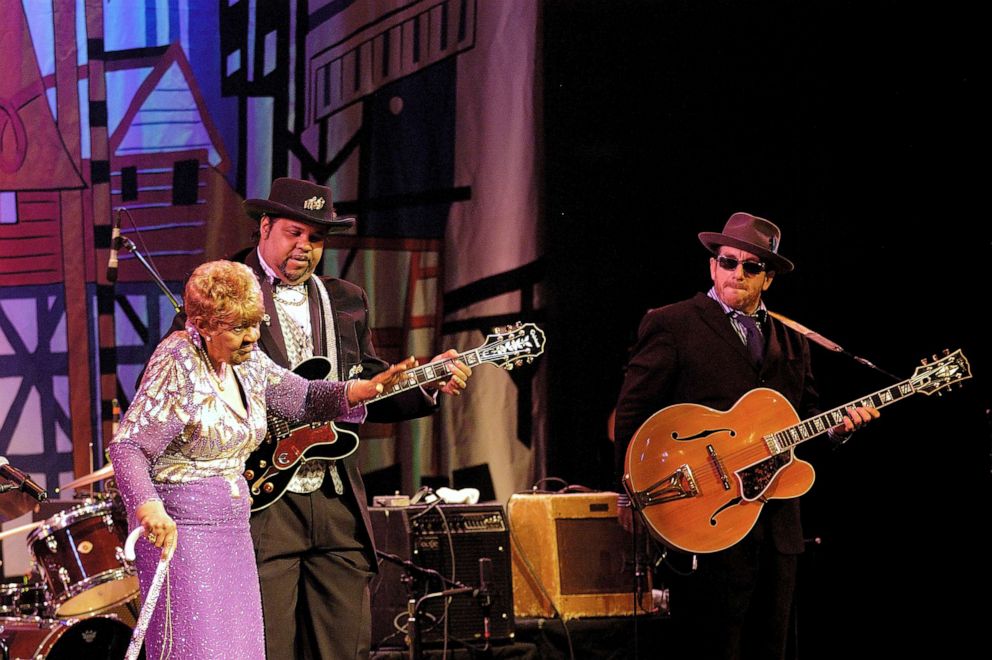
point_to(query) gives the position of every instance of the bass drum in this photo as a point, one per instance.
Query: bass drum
(64, 639)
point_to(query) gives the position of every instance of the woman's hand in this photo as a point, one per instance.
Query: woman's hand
(160, 528)
(363, 390)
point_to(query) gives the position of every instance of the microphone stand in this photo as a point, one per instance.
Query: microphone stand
(814, 336)
(128, 244)
(413, 611)
(414, 605)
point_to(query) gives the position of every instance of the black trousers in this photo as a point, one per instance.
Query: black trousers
(738, 604)
(314, 568)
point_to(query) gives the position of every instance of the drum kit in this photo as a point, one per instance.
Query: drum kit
(82, 596)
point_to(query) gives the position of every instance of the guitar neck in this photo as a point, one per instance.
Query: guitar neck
(428, 373)
(808, 429)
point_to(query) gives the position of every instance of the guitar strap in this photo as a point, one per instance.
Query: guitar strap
(806, 332)
(327, 322)
(309, 474)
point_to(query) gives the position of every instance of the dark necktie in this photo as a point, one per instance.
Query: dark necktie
(755, 340)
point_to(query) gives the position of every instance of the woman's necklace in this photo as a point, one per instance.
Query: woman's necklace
(219, 380)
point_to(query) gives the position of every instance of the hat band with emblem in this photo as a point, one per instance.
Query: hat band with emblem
(301, 200)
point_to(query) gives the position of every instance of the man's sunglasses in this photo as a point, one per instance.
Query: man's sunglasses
(730, 263)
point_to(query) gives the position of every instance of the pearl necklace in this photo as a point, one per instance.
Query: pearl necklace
(219, 380)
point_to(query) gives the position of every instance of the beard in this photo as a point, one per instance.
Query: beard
(297, 276)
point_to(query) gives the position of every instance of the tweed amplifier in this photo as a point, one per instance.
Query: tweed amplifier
(570, 551)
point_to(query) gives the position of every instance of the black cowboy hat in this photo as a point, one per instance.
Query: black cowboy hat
(749, 232)
(297, 199)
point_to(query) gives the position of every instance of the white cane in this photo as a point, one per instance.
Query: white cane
(138, 636)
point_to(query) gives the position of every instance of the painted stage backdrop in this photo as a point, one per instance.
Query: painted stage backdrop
(421, 115)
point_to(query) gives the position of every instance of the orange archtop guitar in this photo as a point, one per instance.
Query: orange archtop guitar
(699, 476)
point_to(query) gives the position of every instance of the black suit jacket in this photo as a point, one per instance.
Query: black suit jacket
(688, 352)
(350, 308)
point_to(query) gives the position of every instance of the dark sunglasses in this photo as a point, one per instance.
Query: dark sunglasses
(730, 263)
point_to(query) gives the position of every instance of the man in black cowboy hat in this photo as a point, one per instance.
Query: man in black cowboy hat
(314, 545)
(712, 349)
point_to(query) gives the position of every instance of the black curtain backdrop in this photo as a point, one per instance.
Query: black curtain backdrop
(857, 127)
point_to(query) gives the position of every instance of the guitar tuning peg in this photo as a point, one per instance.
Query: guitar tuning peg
(923, 362)
(947, 351)
(530, 359)
(509, 366)
(518, 324)
(935, 358)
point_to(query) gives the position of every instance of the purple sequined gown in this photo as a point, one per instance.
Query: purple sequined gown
(182, 444)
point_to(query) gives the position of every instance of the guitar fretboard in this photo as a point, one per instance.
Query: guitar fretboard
(428, 373)
(928, 379)
(525, 342)
(814, 426)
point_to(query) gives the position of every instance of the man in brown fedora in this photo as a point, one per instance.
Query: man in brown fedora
(314, 545)
(711, 350)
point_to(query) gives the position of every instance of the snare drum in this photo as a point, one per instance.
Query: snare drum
(80, 554)
(65, 639)
(24, 599)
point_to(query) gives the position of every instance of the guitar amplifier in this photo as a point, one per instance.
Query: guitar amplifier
(571, 554)
(449, 539)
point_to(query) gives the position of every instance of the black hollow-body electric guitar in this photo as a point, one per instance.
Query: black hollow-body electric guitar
(286, 447)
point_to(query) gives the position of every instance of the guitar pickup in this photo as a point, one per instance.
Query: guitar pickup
(679, 485)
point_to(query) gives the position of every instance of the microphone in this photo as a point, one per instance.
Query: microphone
(115, 245)
(23, 481)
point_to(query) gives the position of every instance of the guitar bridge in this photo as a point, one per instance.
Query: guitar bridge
(680, 484)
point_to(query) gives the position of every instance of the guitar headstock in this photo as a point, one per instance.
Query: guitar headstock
(942, 372)
(513, 345)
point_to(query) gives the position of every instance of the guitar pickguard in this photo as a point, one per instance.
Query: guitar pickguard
(755, 479)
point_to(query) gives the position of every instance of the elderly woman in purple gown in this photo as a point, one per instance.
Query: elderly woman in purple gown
(179, 453)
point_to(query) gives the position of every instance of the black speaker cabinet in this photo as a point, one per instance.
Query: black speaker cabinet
(449, 539)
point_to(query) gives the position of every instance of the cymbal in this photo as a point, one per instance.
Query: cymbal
(22, 528)
(87, 479)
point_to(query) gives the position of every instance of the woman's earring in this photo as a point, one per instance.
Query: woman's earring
(194, 335)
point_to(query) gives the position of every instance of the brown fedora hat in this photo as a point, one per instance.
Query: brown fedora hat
(297, 199)
(749, 232)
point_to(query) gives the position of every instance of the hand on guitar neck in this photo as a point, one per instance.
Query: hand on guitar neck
(360, 391)
(459, 374)
(856, 417)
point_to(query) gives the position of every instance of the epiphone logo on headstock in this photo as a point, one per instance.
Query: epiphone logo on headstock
(514, 345)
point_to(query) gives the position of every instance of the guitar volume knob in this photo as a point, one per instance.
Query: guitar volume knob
(249, 475)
